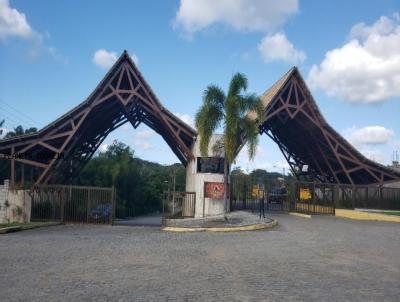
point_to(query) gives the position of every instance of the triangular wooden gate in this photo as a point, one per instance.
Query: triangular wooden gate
(62, 148)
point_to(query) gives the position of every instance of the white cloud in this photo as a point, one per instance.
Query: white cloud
(143, 145)
(265, 16)
(3, 131)
(242, 15)
(260, 161)
(145, 134)
(104, 58)
(371, 135)
(141, 139)
(13, 22)
(278, 47)
(188, 119)
(365, 69)
(126, 127)
(375, 155)
(103, 147)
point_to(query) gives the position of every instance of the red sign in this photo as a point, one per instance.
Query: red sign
(214, 190)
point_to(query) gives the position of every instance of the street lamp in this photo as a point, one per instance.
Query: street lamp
(283, 169)
(163, 202)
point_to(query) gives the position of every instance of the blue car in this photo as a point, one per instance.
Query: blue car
(101, 211)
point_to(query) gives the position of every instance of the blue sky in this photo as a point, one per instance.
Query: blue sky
(348, 51)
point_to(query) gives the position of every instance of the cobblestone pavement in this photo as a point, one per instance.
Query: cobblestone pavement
(318, 259)
(233, 219)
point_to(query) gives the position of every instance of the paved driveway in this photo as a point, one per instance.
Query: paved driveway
(318, 259)
(145, 220)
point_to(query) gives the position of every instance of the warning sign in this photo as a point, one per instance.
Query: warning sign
(214, 190)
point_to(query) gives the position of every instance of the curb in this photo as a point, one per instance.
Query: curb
(356, 215)
(253, 227)
(18, 228)
(10, 229)
(300, 215)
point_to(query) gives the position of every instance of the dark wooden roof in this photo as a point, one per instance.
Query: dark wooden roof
(295, 123)
(122, 96)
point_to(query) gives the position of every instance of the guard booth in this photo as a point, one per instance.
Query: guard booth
(205, 177)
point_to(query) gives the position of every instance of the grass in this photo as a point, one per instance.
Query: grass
(396, 213)
(385, 212)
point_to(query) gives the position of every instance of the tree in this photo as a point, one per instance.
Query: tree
(19, 130)
(230, 112)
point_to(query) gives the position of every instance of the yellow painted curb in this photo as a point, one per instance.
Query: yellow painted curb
(300, 215)
(252, 227)
(358, 215)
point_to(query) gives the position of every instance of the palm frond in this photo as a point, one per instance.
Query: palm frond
(210, 115)
(253, 103)
(214, 96)
(250, 131)
(237, 84)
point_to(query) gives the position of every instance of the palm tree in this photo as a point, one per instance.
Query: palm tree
(230, 112)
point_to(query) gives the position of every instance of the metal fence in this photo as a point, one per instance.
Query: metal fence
(179, 204)
(251, 203)
(313, 198)
(371, 197)
(302, 197)
(73, 204)
(316, 198)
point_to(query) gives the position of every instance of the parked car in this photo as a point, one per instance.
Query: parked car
(101, 212)
(277, 194)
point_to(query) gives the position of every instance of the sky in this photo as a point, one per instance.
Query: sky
(54, 53)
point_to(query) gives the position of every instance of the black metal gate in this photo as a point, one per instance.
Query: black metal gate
(302, 197)
(313, 198)
(179, 204)
(73, 204)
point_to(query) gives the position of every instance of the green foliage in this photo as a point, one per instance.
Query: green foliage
(230, 111)
(5, 165)
(19, 130)
(139, 184)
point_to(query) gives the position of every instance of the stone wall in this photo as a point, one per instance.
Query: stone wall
(15, 205)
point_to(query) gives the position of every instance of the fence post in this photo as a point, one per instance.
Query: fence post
(88, 206)
(335, 195)
(293, 196)
(113, 197)
(62, 205)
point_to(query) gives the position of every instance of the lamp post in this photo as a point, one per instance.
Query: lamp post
(163, 202)
(283, 170)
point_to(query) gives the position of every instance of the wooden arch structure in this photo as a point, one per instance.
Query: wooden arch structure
(60, 150)
(313, 149)
(292, 120)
